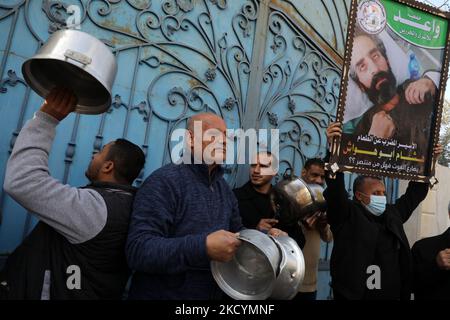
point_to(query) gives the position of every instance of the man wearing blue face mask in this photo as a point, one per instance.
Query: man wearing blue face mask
(371, 257)
(375, 202)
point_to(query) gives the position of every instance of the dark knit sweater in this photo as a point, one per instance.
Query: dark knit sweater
(174, 211)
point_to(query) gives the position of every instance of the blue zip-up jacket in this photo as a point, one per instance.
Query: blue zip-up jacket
(174, 210)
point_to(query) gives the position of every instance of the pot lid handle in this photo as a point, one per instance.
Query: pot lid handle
(77, 56)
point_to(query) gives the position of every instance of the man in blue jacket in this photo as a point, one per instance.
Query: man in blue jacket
(184, 216)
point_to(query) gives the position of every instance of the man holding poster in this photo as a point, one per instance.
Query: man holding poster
(391, 92)
(371, 257)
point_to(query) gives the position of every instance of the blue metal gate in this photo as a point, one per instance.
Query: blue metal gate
(257, 63)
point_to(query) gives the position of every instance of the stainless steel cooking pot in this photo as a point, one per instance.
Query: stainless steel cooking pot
(76, 60)
(294, 200)
(292, 269)
(252, 272)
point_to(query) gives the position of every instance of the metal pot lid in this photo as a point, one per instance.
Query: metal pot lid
(292, 269)
(251, 274)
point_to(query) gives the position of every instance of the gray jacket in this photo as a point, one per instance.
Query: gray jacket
(78, 214)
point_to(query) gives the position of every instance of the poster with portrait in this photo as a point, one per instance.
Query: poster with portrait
(392, 89)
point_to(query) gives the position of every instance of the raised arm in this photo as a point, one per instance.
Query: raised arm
(78, 214)
(335, 193)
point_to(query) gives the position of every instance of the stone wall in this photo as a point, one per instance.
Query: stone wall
(431, 217)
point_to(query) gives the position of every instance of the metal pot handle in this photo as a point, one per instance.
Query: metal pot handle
(288, 174)
(78, 57)
(239, 237)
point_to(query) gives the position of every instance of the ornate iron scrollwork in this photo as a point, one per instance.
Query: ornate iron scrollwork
(185, 57)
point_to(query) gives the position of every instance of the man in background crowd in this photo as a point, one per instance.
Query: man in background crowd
(315, 229)
(431, 257)
(255, 206)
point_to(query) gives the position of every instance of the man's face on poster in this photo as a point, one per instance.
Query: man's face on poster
(372, 70)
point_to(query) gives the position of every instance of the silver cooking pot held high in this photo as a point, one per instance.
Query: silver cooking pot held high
(76, 60)
(294, 200)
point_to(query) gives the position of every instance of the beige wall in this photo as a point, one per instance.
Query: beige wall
(431, 217)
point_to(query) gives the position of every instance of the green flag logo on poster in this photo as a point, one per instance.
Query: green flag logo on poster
(415, 26)
(371, 16)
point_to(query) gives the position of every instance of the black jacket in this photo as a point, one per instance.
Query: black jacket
(254, 206)
(45, 255)
(430, 282)
(355, 237)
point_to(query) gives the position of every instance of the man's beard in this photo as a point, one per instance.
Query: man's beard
(91, 173)
(387, 89)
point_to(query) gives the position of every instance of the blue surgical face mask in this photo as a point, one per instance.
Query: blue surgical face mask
(377, 205)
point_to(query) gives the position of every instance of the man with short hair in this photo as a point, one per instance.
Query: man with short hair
(77, 250)
(371, 258)
(254, 196)
(254, 199)
(313, 171)
(431, 258)
(315, 228)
